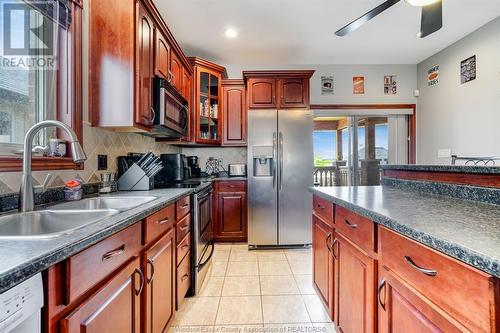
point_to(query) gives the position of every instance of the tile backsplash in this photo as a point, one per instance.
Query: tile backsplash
(96, 141)
(227, 154)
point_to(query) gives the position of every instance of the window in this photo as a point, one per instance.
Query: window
(40, 63)
(381, 142)
(325, 148)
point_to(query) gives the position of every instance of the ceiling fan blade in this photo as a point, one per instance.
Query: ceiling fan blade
(365, 18)
(432, 19)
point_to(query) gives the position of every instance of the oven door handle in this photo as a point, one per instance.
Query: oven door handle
(206, 195)
(201, 265)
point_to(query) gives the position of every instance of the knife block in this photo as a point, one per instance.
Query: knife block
(135, 179)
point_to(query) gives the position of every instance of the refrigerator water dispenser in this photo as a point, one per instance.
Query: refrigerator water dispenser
(263, 159)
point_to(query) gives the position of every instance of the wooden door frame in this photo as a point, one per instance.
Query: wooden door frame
(412, 120)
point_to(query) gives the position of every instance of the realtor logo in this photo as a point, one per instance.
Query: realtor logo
(26, 32)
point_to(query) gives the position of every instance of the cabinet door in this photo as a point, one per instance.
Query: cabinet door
(402, 310)
(187, 93)
(176, 70)
(355, 281)
(322, 235)
(162, 55)
(231, 221)
(159, 293)
(262, 93)
(115, 307)
(145, 63)
(235, 115)
(293, 93)
(186, 84)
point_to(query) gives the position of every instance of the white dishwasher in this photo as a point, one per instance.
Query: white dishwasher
(20, 307)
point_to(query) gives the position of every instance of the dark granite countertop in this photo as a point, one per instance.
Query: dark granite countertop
(21, 259)
(465, 230)
(443, 168)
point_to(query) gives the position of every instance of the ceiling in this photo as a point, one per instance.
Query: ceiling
(302, 31)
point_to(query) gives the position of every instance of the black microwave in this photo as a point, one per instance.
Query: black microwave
(170, 118)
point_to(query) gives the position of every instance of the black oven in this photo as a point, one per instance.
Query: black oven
(170, 110)
(203, 236)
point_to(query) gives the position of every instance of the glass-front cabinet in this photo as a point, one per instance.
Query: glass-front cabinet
(208, 99)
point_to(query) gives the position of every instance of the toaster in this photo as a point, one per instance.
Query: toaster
(237, 170)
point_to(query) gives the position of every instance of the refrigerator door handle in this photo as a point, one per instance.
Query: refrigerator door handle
(280, 149)
(275, 154)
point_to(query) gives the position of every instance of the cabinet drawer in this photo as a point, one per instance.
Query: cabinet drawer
(157, 224)
(231, 186)
(183, 279)
(183, 206)
(183, 247)
(86, 269)
(357, 228)
(324, 209)
(183, 227)
(464, 292)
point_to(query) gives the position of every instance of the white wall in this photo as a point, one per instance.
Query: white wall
(462, 117)
(374, 85)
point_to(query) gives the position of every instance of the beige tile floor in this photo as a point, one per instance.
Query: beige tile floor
(255, 291)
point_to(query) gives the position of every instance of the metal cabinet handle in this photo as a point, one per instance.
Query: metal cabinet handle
(113, 253)
(333, 248)
(184, 277)
(184, 228)
(321, 207)
(153, 115)
(328, 241)
(350, 225)
(152, 265)
(185, 206)
(141, 276)
(426, 271)
(379, 290)
(163, 221)
(184, 247)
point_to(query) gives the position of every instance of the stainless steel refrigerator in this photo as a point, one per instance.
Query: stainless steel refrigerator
(280, 171)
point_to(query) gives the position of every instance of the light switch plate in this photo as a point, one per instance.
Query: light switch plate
(444, 153)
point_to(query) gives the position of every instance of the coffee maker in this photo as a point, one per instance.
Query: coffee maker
(175, 170)
(192, 163)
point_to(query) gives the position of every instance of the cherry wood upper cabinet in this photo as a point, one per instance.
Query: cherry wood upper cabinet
(176, 72)
(262, 93)
(402, 310)
(355, 281)
(162, 55)
(230, 211)
(129, 43)
(322, 238)
(234, 113)
(145, 47)
(115, 307)
(158, 298)
(287, 89)
(294, 93)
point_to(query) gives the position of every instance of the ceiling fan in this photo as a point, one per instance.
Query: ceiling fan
(431, 21)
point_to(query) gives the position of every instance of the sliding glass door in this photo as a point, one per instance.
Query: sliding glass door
(349, 150)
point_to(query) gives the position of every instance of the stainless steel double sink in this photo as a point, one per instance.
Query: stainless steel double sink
(65, 218)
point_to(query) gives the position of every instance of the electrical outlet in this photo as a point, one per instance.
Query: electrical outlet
(102, 162)
(444, 153)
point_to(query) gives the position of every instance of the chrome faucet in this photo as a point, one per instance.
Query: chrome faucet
(26, 193)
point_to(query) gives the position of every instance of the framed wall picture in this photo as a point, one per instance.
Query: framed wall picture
(358, 85)
(390, 85)
(433, 76)
(327, 85)
(468, 69)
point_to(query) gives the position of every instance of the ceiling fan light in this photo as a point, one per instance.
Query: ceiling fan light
(421, 3)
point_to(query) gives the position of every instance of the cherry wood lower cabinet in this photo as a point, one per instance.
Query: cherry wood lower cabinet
(355, 282)
(322, 236)
(158, 265)
(115, 307)
(230, 211)
(402, 309)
